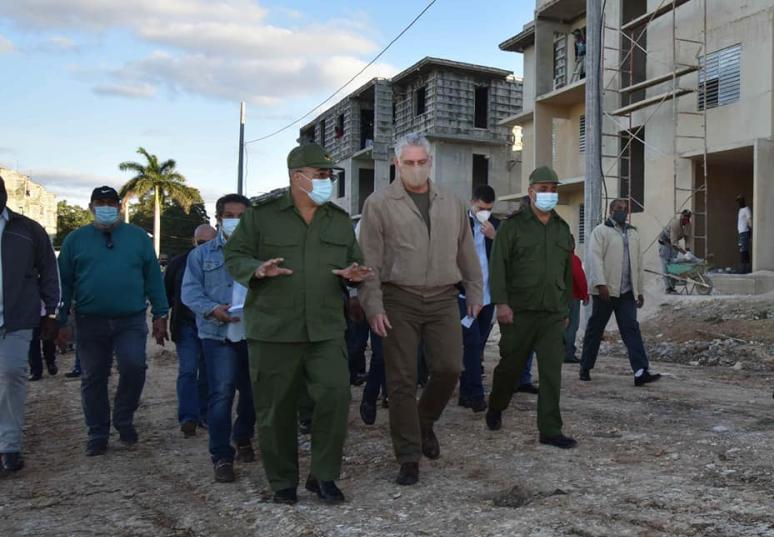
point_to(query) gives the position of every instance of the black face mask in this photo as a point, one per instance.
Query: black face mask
(619, 217)
(3, 197)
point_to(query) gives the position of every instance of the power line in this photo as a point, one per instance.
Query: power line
(369, 64)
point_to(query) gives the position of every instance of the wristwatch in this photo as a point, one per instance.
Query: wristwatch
(51, 316)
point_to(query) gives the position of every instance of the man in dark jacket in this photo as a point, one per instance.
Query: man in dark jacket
(475, 332)
(192, 372)
(28, 279)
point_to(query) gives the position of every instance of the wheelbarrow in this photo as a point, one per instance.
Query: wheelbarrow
(688, 276)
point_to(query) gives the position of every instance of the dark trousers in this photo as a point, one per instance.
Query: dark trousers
(625, 309)
(192, 390)
(473, 343)
(744, 252)
(36, 358)
(99, 338)
(572, 330)
(376, 381)
(228, 371)
(357, 341)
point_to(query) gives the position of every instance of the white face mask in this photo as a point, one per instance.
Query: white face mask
(483, 215)
(229, 225)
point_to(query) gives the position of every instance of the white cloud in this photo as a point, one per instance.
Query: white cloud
(75, 187)
(223, 49)
(133, 90)
(6, 46)
(61, 43)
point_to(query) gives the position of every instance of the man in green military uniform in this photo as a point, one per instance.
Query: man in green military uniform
(296, 252)
(531, 284)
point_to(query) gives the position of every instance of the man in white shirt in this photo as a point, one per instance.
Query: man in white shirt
(744, 228)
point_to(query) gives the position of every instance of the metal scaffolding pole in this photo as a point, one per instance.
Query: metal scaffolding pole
(593, 211)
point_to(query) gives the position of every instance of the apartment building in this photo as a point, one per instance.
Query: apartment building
(688, 114)
(30, 199)
(458, 106)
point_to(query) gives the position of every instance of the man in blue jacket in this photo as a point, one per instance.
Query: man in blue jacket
(109, 271)
(28, 278)
(217, 301)
(475, 332)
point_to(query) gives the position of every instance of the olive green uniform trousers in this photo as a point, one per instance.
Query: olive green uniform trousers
(279, 372)
(541, 332)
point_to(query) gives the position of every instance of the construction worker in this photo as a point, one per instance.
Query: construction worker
(296, 253)
(744, 229)
(679, 227)
(531, 285)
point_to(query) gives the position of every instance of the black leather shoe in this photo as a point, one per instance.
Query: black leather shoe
(528, 388)
(95, 449)
(35, 376)
(368, 412)
(464, 402)
(408, 474)
(285, 497)
(74, 374)
(224, 471)
(188, 428)
(478, 405)
(305, 426)
(129, 437)
(12, 462)
(559, 440)
(571, 360)
(245, 452)
(494, 419)
(52, 368)
(327, 491)
(430, 447)
(585, 374)
(646, 378)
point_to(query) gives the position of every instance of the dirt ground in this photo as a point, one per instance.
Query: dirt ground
(689, 456)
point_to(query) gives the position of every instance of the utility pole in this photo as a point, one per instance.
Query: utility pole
(592, 197)
(241, 177)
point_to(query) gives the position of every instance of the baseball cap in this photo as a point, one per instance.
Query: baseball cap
(105, 193)
(544, 174)
(310, 155)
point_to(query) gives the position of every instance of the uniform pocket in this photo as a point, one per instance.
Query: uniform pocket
(335, 249)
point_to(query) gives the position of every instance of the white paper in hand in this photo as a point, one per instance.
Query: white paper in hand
(467, 321)
(236, 307)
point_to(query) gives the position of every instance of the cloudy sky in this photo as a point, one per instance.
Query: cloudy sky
(86, 82)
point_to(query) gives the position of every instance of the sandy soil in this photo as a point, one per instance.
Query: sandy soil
(689, 456)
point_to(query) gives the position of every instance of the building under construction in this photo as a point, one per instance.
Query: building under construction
(458, 106)
(688, 115)
(30, 199)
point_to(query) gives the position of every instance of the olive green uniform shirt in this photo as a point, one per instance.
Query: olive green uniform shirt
(308, 305)
(531, 269)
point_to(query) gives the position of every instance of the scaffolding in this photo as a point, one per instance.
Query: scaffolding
(631, 96)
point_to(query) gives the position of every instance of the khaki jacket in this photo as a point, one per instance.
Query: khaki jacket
(396, 244)
(606, 263)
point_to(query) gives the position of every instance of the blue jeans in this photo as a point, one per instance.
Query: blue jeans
(228, 370)
(99, 338)
(191, 376)
(625, 309)
(376, 379)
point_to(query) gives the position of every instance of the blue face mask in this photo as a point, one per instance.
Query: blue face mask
(322, 190)
(546, 201)
(106, 215)
(228, 225)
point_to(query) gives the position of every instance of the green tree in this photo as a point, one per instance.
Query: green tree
(178, 224)
(163, 182)
(69, 218)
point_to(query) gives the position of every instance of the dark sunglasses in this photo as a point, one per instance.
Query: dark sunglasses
(108, 240)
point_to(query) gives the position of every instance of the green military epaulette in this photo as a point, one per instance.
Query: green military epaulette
(263, 199)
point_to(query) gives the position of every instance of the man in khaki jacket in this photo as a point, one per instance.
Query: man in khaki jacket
(615, 279)
(417, 239)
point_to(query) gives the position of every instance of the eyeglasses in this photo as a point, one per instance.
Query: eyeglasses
(108, 240)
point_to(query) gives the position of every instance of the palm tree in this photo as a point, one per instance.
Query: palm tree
(163, 182)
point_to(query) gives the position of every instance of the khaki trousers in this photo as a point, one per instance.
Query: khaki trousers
(435, 323)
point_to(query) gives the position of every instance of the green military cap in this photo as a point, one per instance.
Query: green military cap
(544, 174)
(310, 155)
